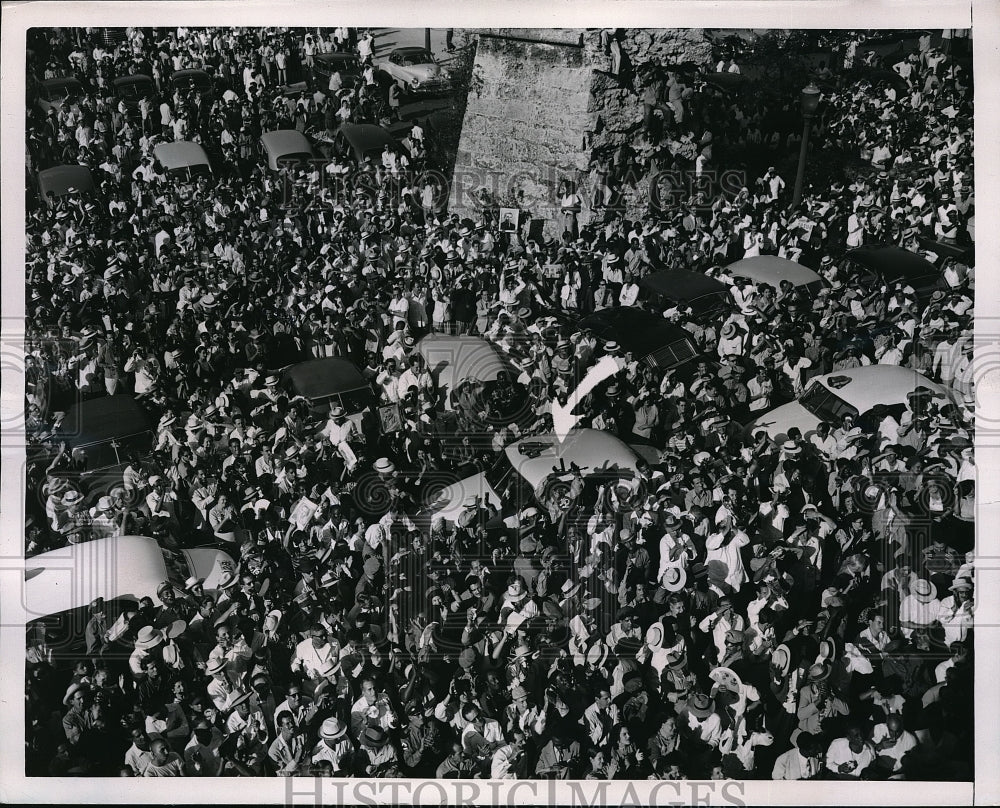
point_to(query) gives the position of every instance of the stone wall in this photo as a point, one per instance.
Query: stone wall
(541, 102)
(528, 108)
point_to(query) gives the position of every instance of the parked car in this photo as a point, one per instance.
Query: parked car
(877, 264)
(61, 180)
(60, 585)
(647, 336)
(451, 360)
(132, 89)
(849, 392)
(772, 270)
(193, 78)
(106, 431)
(53, 93)
(541, 464)
(329, 382)
(706, 296)
(326, 64)
(367, 140)
(415, 70)
(285, 147)
(183, 159)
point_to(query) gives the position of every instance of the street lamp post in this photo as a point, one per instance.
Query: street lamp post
(427, 38)
(810, 101)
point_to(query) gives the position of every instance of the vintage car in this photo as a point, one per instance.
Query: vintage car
(415, 70)
(183, 159)
(772, 270)
(60, 585)
(61, 180)
(887, 264)
(706, 296)
(53, 93)
(193, 78)
(328, 382)
(647, 336)
(284, 147)
(132, 89)
(369, 140)
(852, 392)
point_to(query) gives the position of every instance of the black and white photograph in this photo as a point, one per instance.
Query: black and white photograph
(582, 406)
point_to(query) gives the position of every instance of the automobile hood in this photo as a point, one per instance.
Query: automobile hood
(778, 421)
(448, 504)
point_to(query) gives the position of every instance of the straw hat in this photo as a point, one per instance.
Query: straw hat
(923, 590)
(332, 730)
(148, 637)
(673, 579)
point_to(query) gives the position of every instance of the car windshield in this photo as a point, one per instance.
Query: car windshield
(57, 91)
(416, 58)
(826, 406)
(192, 82)
(133, 92)
(510, 486)
(674, 354)
(356, 400)
(177, 568)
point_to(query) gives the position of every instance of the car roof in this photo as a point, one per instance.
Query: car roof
(365, 137)
(181, 154)
(677, 284)
(59, 179)
(891, 261)
(461, 357)
(190, 71)
(337, 56)
(771, 269)
(99, 420)
(135, 78)
(877, 384)
(410, 49)
(111, 568)
(60, 81)
(318, 378)
(592, 450)
(281, 142)
(636, 330)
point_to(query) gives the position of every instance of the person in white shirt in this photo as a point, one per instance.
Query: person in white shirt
(312, 654)
(630, 292)
(847, 757)
(600, 718)
(892, 742)
(802, 762)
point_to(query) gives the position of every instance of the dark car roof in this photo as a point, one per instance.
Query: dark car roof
(338, 56)
(683, 284)
(59, 179)
(135, 78)
(99, 420)
(636, 330)
(367, 137)
(892, 262)
(318, 378)
(62, 81)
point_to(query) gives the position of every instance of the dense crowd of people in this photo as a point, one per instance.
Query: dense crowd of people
(747, 608)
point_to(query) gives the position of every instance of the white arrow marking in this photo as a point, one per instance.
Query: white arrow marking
(563, 419)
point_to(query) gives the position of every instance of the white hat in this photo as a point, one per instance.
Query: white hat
(714, 541)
